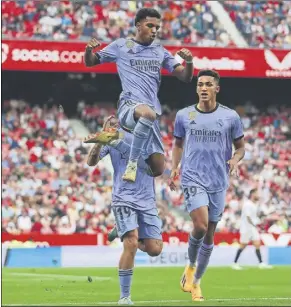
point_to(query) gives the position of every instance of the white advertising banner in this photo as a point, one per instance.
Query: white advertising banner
(90, 256)
(107, 256)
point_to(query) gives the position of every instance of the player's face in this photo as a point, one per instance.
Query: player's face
(207, 88)
(148, 29)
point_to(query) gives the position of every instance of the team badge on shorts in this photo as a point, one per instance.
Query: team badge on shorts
(129, 44)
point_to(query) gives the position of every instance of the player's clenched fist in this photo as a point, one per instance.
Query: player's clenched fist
(93, 43)
(185, 54)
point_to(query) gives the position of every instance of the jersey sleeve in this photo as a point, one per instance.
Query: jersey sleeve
(109, 54)
(179, 129)
(104, 152)
(237, 128)
(169, 62)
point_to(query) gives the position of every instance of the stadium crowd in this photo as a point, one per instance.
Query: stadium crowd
(183, 21)
(264, 24)
(47, 186)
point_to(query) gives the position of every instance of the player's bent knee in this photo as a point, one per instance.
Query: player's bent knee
(157, 172)
(154, 247)
(130, 246)
(257, 244)
(146, 112)
(243, 245)
(157, 164)
(130, 241)
(200, 228)
(154, 253)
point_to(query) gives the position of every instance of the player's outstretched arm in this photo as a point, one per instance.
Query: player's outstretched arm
(176, 159)
(185, 74)
(90, 58)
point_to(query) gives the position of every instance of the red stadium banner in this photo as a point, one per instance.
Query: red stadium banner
(51, 239)
(178, 238)
(68, 57)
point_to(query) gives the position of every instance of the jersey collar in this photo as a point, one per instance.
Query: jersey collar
(216, 107)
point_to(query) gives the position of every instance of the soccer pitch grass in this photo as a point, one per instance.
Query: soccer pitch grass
(151, 287)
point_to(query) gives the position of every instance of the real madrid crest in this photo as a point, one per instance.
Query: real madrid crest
(129, 44)
(219, 123)
(192, 115)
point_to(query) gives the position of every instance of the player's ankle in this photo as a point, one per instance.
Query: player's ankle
(196, 281)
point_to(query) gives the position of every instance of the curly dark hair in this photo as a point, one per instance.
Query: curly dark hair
(146, 12)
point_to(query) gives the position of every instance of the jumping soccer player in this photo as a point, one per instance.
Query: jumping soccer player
(204, 135)
(139, 63)
(134, 207)
(249, 231)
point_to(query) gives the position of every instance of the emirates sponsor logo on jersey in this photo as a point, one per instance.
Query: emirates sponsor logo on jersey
(278, 68)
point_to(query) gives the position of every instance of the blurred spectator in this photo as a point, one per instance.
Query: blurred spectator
(24, 223)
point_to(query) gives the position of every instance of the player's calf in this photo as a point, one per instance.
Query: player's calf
(200, 247)
(199, 218)
(126, 264)
(205, 253)
(238, 253)
(130, 243)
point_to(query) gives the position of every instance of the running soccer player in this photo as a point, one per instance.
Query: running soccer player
(134, 207)
(204, 134)
(249, 231)
(139, 63)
